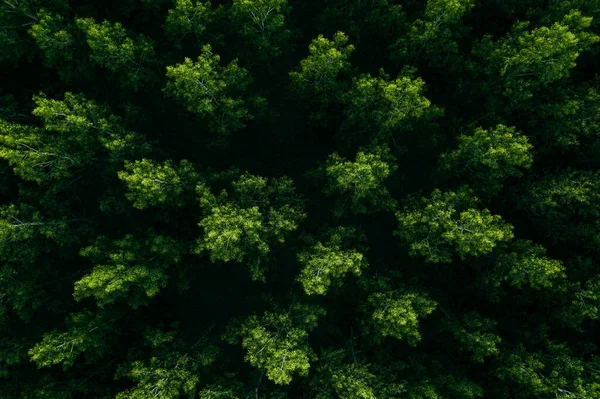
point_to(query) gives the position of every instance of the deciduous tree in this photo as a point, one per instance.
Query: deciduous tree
(449, 224)
(488, 157)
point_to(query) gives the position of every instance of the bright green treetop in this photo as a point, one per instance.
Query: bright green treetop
(448, 224)
(86, 333)
(53, 38)
(112, 48)
(396, 313)
(360, 184)
(318, 79)
(526, 60)
(488, 157)
(75, 131)
(243, 224)
(335, 378)
(188, 17)
(172, 371)
(127, 268)
(211, 91)
(278, 342)
(381, 106)
(153, 184)
(524, 263)
(329, 260)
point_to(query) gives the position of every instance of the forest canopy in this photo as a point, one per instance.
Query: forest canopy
(270, 199)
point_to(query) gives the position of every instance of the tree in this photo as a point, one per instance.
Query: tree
(489, 157)
(130, 268)
(277, 342)
(53, 38)
(76, 130)
(261, 24)
(22, 223)
(584, 303)
(447, 224)
(212, 91)
(360, 184)
(34, 159)
(380, 107)
(320, 79)
(552, 371)
(112, 48)
(245, 224)
(336, 378)
(565, 206)
(436, 35)
(86, 333)
(396, 313)
(524, 263)
(154, 184)
(188, 17)
(476, 334)
(324, 264)
(525, 60)
(29, 240)
(569, 120)
(172, 371)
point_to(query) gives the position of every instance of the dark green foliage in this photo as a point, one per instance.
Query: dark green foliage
(273, 199)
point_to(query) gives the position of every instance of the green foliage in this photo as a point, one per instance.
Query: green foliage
(552, 372)
(278, 342)
(112, 48)
(169, 373)
(262, 24)
(188, 17)
(75, 130)
(527, 60)
(338, 379)
(586, 301)
(15, 17)
(380, 107)
(133, 209)
(21, 224)
(318, 80)
(37, 160)
(448, 224)
(570, 120)
(328, 262)
(476, 334)
(211, 91)
(129, 268)
(154, 184)
(435, 36)
(52, 38)
(229, 232)
(86, 333)
(526, 264)
(396, 313)
(360, 184)
(489, 157)
(566, 206)
(258, 214)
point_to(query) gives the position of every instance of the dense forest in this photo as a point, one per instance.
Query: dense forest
(269, 199)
